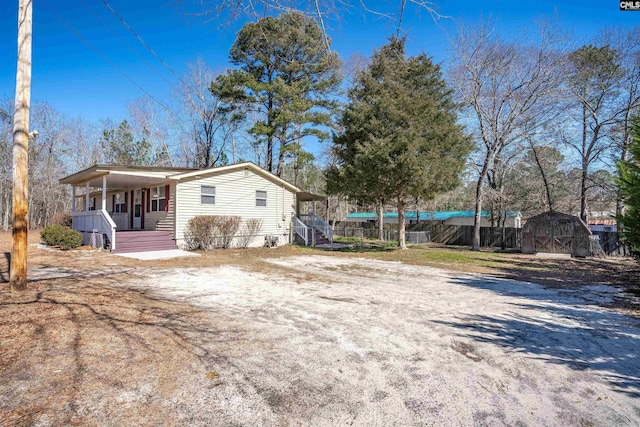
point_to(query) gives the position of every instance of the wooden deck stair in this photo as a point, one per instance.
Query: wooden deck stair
(143, 241)
(321, 239)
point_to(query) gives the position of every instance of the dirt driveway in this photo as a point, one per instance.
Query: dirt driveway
(316, 340)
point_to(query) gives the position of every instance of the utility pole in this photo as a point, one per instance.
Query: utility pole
(18, 269)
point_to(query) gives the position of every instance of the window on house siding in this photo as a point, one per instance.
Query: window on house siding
(158, 199)
(207, 195)
(119, 205)
(261, 198)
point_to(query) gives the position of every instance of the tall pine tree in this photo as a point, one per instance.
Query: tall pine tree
(287, 75)
(629, 183)
(400, 139)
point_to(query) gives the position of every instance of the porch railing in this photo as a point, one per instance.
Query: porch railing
(97, 221)
(300, 229)
(317, 223)
(121, 219)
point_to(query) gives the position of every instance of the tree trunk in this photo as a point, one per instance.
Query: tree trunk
(280, 159)
(381, 221)
(233, 147)
(585, 165)
(620, 208)
(583, 192)
(475, 243)
(544, 177)
(269, 159)
(401, 236)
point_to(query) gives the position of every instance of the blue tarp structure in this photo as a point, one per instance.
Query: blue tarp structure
(424, 216)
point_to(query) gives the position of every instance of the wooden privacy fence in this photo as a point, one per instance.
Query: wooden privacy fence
(610, 243)
(459, 235)
(462, 235)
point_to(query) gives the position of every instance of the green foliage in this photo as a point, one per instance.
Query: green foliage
(594, 69)
(58, 235)
(400, 136)
(629, 184)
(121, 148)
(525, 184)
(206, 232)
(286, 74)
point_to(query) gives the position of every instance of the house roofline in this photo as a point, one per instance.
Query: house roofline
(98, 170)
(172, 173)
(244, 165)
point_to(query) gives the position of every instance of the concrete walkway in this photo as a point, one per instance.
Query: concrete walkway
(158, 255)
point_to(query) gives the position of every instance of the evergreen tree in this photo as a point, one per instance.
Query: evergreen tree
(121, 148)
(629, 183)
(287, 75)
(400, 140)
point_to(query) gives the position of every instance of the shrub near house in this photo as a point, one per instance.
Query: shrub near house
(58, 235)
(211, 231)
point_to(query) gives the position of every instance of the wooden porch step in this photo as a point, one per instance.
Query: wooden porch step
(143, 241)
(321, 239)
(145, 249)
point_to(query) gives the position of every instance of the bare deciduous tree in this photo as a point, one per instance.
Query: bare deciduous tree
(204, 137)
(151, 123)
(508, 89)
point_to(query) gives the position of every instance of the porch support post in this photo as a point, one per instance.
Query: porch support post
(86, 196)
(314, 208)
(73, 198)
(104, 192)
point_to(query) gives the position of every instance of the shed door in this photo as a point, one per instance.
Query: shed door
(563, 236)
(554, 236)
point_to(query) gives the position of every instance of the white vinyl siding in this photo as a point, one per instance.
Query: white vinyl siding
(235, 194)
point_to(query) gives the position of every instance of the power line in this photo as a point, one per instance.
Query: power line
(124, 41)
(145, 44)
(150, 49)
(85, 41)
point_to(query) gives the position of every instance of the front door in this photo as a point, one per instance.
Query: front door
(137, 210)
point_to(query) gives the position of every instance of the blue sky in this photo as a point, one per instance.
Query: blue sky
(76, 81)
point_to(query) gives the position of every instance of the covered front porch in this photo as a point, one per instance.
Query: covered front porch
(108, 201)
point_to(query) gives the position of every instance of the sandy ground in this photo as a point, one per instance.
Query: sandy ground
(317, 340)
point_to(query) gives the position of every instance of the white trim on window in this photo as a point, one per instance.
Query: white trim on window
(158, 199)
(261, 198)
(207, 195)
(119, 207)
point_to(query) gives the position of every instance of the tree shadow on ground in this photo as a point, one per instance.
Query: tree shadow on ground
(84, 336)
(576, 274)
(559, 329)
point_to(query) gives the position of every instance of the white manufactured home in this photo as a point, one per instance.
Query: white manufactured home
(138, 208)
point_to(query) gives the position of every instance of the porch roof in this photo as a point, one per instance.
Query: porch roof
(303, 196)
(123, 176)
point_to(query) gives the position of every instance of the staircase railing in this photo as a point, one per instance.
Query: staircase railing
(301, 229)
(317, 223)
(95, 221)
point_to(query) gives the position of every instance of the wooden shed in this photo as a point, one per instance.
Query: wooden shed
(555, 232)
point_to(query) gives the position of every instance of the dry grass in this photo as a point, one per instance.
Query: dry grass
(78, 343)
(574, 272)
(90, 337)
